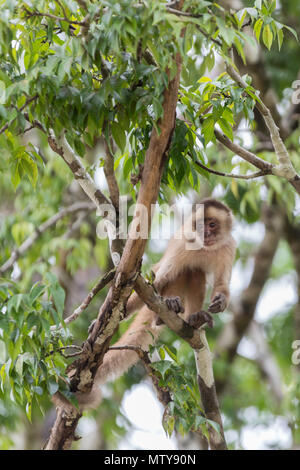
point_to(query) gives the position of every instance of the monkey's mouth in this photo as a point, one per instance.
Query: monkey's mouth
(209, 241)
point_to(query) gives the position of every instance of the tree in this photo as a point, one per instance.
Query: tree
(158, 89)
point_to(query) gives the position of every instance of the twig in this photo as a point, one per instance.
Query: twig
(183, 13)
(61, 349)
(265, 167)
(19, 110)
(285, 167)
(97, 288)
(78, 206)
(163, 394)
(231, 175)
(54, 17)
(109, 171)
(62, 148)
(62, 7)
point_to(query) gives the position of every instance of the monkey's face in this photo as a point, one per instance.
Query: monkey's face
(211, 231)
(217, 226)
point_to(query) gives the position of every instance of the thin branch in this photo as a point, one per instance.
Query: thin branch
(62, 148)
(72, 346)
(163, 394)
(97, 288)
(231, 175)
(110, 173)
(197, 340)
(19, 110)
(78, 206)
(62, 7)
(265, 167)
(183, 13)
(285, 167)
(54, 17)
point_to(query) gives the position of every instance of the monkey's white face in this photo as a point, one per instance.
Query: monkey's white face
(211, 231)
(217, 227)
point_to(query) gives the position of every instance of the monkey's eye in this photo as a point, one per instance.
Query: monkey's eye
(212, 224)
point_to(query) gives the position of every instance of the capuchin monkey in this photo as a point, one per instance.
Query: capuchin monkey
(180, 277)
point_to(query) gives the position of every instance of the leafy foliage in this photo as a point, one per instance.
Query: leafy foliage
(99, 72)
(32, 363)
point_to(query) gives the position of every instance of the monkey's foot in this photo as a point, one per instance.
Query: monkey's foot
(218, 304)
(200, 318)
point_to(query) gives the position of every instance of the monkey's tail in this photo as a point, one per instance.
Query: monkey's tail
(142, 332)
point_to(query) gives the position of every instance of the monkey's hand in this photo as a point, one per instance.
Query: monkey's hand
(173, 303)
(200, 318)
(218, 303)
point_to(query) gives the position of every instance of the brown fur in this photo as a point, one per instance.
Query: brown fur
(182, 273)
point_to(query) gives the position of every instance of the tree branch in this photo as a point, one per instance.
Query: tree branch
(265, 167)
(112, 311)
(53, 17)
(197, 340)
(162, 393)
(285, 167)
(231, 175)
(62, 148)
(78, 206)
(97, 288)
(19, 110)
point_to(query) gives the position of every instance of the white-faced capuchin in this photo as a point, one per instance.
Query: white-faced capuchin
(180, 277)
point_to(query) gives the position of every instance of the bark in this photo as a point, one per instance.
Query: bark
(156, 303)
(208, 394)
(112, 311)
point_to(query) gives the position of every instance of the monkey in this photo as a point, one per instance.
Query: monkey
(180, 277)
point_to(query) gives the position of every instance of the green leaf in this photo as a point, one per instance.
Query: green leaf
(36, 292)
(292, 31)
(267, 36)
(257, 28)
(162, 367)
(226, 128)
(59, 295)
(208, 129)
(119, 135)
(280, 38)
(168, 424)
(52, 386)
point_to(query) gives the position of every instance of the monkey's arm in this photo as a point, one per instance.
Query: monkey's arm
(194, 297)
(134, 303)
(222, 274)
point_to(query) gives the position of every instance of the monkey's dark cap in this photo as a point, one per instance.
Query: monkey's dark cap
(209, 202)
